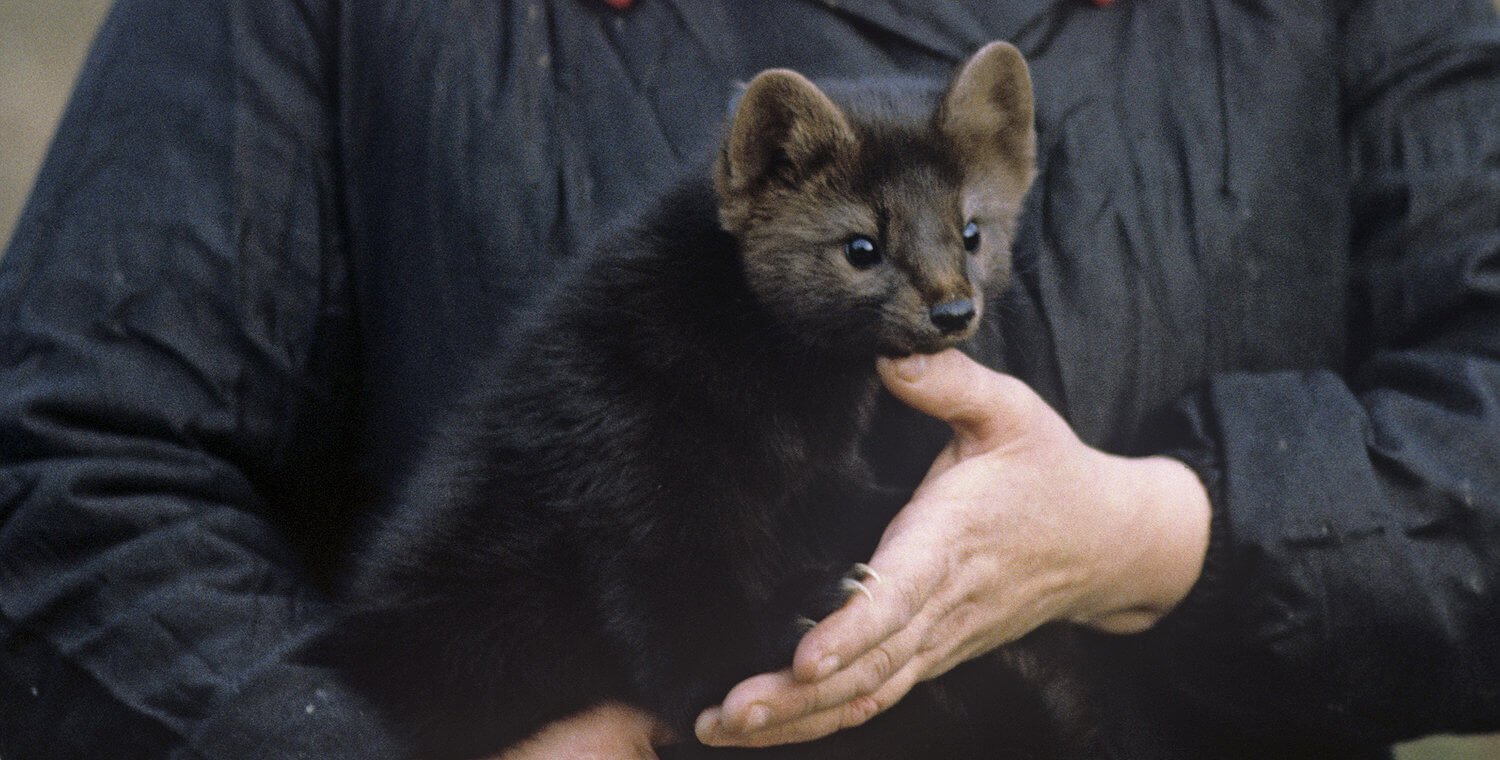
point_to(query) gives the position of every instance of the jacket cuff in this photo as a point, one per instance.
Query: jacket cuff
(1188, 435)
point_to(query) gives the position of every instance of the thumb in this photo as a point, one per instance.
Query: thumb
(977, 402)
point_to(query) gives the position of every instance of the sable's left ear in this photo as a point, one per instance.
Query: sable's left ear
(988, 112)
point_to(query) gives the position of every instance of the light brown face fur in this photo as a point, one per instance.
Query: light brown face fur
(799, 177)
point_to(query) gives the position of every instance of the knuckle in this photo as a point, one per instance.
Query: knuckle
(1015, 393)
(805, 702)
(819, 697)
(962, 618)
(881, 664)
(858, 712)
(911, 594)
(1008, 386)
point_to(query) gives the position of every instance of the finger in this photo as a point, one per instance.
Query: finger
(776, 698)
(862, 706)
(977, 402)
(836, 717)
(805, 729)
(909, 579)
(747, 707)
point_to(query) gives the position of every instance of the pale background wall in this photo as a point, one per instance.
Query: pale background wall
(42, 43)
(41, 47)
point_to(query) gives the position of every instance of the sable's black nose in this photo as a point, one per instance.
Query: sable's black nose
(953, 316)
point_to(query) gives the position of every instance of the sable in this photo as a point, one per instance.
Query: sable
(654, 490)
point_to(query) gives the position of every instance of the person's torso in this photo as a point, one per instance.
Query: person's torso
(1190, 214)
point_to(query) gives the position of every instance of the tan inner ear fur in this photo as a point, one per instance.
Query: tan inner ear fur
(988, 113)
(783, 124)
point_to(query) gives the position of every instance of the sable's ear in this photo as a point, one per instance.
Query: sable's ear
(987, 112)
(784, 124)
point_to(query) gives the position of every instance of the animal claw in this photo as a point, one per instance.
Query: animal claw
(853, 586)
(867, 571)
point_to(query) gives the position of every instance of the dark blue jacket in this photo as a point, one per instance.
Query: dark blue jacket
(272, 234)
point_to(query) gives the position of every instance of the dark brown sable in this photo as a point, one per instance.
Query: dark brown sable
(649, 494)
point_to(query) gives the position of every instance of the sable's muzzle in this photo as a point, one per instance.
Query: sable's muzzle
(953, 316)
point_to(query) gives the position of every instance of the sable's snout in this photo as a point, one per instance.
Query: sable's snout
(953, 316)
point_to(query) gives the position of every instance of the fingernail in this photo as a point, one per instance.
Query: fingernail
(827, 666)
(910, 368)
(759, 716)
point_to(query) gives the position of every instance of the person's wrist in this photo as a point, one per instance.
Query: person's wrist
(1184, 515)
(1158, 551)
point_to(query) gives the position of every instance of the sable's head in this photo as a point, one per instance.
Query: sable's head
(876, 225)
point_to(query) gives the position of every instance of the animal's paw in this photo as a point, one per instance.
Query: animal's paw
(855, 579)
(827, 599)
(810, 595)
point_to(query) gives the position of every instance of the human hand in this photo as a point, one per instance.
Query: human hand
(1017, 523)
(609, 731)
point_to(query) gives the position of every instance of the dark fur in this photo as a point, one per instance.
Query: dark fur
(640, 500)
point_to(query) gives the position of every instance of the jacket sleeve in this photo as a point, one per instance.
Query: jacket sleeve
(1352, 589)
(175, 335)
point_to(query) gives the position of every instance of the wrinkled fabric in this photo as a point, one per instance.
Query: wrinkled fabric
(271, 235)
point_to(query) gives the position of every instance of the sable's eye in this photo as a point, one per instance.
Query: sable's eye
(971, 237)
(861, 252)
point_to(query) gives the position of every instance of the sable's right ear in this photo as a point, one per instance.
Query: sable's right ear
(988, 112)
(784, 126)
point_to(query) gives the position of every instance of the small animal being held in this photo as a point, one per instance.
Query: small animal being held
(651, 493)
